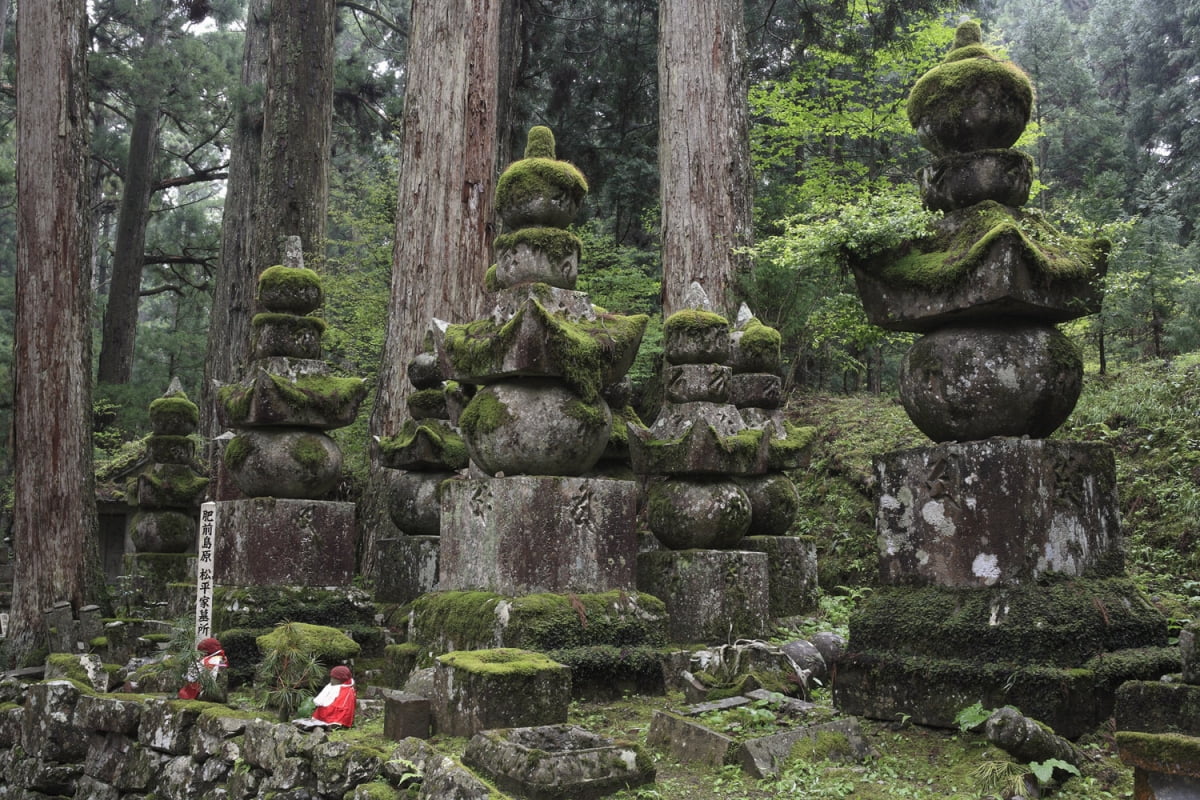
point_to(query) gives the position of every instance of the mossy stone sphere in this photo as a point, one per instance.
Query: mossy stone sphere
(967, 104)
(162, 532)
(534, 426)
(706, 515)
(965, 383)
(774, 502)
(174, 415)
(540, 192)
(413, 501)
(292, 463)
(294, 290)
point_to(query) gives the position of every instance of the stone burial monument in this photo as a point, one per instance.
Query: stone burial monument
(532, 518)
(1000, 549)
(715, 475)
(282, 461)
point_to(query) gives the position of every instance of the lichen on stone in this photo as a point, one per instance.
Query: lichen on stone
(557, 244)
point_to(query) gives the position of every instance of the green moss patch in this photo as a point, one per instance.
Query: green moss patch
(557, 244)
(539, 143)
(691, 322)
(500, 661)
(429, 443)
(962, 239)
(1171, 753)
(327, 396)
(945, 89)
(237, 451)
(289, 321)
(531, 178)
(759, 348)
(175, 411)
(484, 414)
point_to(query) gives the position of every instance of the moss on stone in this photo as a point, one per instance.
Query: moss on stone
(789, 452)
(442, 443)
(308, 452)
(760, 345)
(69, 667)
(967, 33)
(426, 403)
(590, 414)
(175, 411)
(1159, 752)
(539, 143)
(961, 240)
(491, 283)
(237, 451)
(531, 178)
(969, 51)
(557, 244)
(377, 790)
(327, 395)
(692, 321)
(484, 414)
(175, 484)
(291, 321)
(825, 746)
(288, 279)
(945, 90)
(500, 661)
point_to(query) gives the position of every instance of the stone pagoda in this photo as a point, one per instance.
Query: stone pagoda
(715, 474)
(282, 460)
(531, 519)
(427, 451)
(167, 494)
(1000, 549)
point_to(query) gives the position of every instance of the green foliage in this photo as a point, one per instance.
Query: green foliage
(971, 717)
(290, 669)
(1044, 770)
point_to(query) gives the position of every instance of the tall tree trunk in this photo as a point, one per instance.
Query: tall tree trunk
(444, 224)
(703, 148)
(233, 294)
(54, 503)
(121, 313)
(293, 182)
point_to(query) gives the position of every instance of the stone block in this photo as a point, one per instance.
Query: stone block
(687, 740)
(530, 534)
(711, 595)
(166, 726)
(46, 726)
(477, 690)
(407, 568)
(791, 572)
(841, 740)
(557, 762)
(406, 715)
(1166, 761)
(1189, 652)
(442, 775)
(265, 540)
(998, 512)
(1156, 707)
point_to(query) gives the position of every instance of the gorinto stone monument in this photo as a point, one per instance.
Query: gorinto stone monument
(1000, 549)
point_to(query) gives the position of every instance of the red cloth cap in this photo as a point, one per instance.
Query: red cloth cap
(209, 646)
(340, 674)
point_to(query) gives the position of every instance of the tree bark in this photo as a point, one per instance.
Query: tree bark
(54, 505)
(121, 313)
(703, 148)
(293, 183)
(233, 294)
(444, 224)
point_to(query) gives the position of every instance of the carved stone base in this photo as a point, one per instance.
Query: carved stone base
(407, 568)
(271, 541)
(153, 573)
(791, 571)
(1057, 650)
(997, 512)
(711, 595)
(530, 534)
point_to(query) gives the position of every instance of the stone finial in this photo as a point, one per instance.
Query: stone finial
(696, 297)
(539, 143)
(174, 387)
(744, 315)
(293, 252)
(968, 33)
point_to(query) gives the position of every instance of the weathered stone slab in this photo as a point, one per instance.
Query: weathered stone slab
(691, 383)
(406, 715)
(715, 705)
(557, 762)
(999, 512)
(443, 777)
(1162, 755)
(270, 541)
(791, 572)
(530, 534)
(841, 739)
(688, 740)
(408, 568)
(503, 688)
(1156, 707)
(108, 713)
(711, 595)
(46, 724)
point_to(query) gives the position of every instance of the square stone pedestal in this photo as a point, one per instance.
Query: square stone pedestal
(712, 596)
(1158, 734)
(1001, 562)
(997, 512)
(407, 568)
(530, 534)
(791, 571)
(273, 541)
